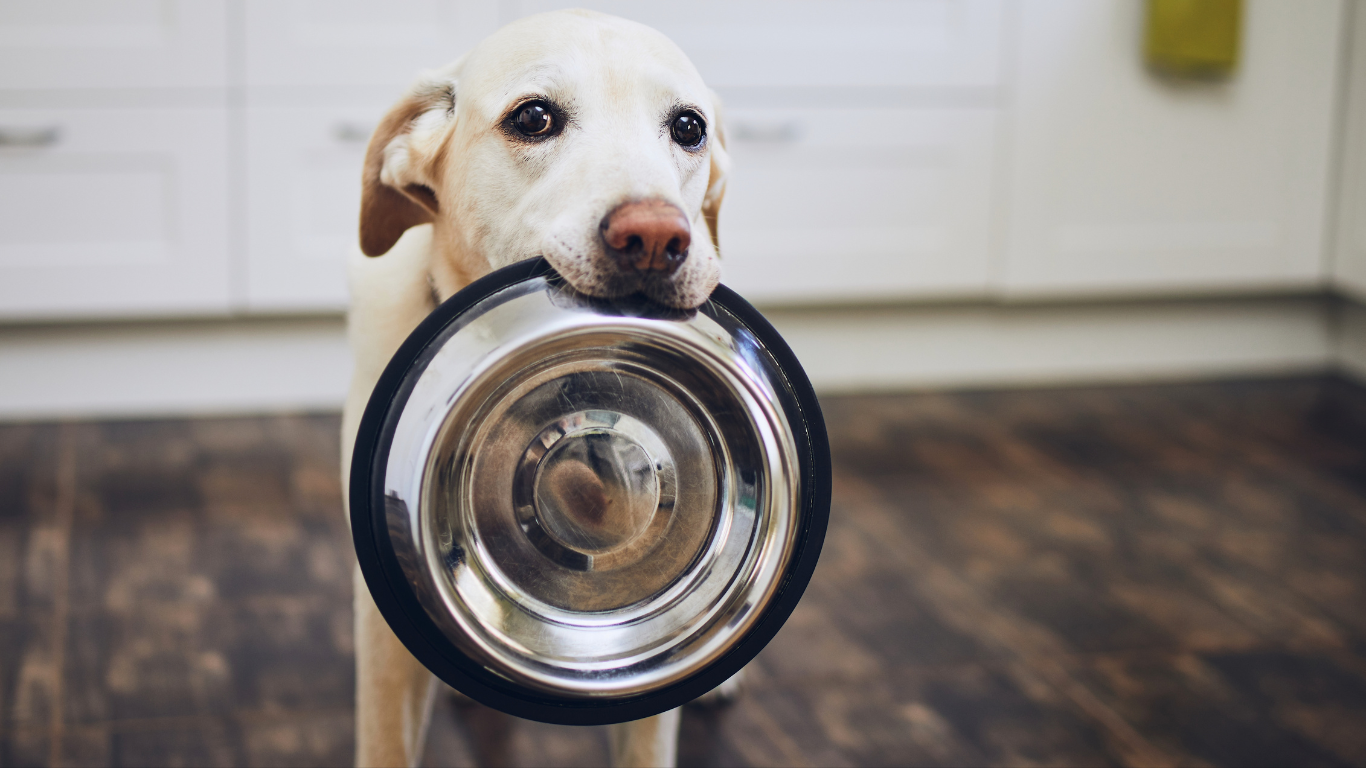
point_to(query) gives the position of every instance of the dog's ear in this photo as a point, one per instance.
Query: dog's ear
(396, 193)
(720, 169)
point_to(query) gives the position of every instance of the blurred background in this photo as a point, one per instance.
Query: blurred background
(1080, 281)
(1008, 191)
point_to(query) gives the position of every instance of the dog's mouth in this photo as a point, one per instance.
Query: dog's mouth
(619, 282)
(602, 277)
(633, 304)
(609, 264)
(611, 282)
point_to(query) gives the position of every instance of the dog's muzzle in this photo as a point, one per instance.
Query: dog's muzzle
(587, 511)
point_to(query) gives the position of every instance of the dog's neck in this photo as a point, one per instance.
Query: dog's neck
(453, 264)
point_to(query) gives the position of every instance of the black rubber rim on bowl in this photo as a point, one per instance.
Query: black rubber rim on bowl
(426, 642)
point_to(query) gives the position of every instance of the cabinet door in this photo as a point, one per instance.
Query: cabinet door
(1349, 262)
(303, 202)
(113, 212)
(113, 43)
(359, 42)
(868, 43)
(837, 205)
(1122, 182)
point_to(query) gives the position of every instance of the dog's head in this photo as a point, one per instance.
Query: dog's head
(582, 137)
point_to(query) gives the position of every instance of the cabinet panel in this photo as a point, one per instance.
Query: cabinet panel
(359, 42)
(1349, 262)
(1120, 181)
(113, 212)
(840, 205)
(303, 202)
(869, 43)
(112, 43)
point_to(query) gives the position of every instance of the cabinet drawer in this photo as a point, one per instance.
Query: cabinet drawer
(303, 202)
(113, 43)
(362, 42)
(861, 43)
(846, 205)
(113, 212)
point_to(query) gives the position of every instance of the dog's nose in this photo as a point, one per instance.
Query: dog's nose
(647, 235)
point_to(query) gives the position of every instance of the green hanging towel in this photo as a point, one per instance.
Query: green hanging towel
(1193, 38)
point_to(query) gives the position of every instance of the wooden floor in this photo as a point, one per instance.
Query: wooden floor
(1136, 576)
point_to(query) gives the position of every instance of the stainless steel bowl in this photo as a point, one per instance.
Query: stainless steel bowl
(587, 511)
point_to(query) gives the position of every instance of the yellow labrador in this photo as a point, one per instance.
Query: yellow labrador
(582, 137)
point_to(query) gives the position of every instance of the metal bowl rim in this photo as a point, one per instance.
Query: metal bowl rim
(408, 619)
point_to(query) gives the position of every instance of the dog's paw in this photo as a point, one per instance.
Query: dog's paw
(722, 695)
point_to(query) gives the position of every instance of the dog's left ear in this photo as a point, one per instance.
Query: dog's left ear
(396, 191)
(720, 169)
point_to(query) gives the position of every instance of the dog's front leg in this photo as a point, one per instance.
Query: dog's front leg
(393, 691)
(648, 743)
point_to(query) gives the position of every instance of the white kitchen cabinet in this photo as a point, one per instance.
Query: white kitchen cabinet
(303, 202)
(113, 43)
(113, 212)
(817, 43)
(841, 205)
(359, 42)
(1118, 181)
(1349, 262)
(884, 150)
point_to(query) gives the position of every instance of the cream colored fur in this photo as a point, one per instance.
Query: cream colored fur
(449, 195)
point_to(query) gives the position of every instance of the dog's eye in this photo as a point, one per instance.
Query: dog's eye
(534, 119)
(688, 129)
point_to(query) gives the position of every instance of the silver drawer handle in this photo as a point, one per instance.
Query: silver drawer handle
(20, 136)
(352, 133)
(768, 133)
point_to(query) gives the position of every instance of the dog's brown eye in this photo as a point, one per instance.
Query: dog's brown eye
(688, 129)
(534, 119)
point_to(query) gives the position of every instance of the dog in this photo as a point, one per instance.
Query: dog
(584, 138)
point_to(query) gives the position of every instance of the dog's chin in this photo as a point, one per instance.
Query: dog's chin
(676, 291)
(685, 289)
